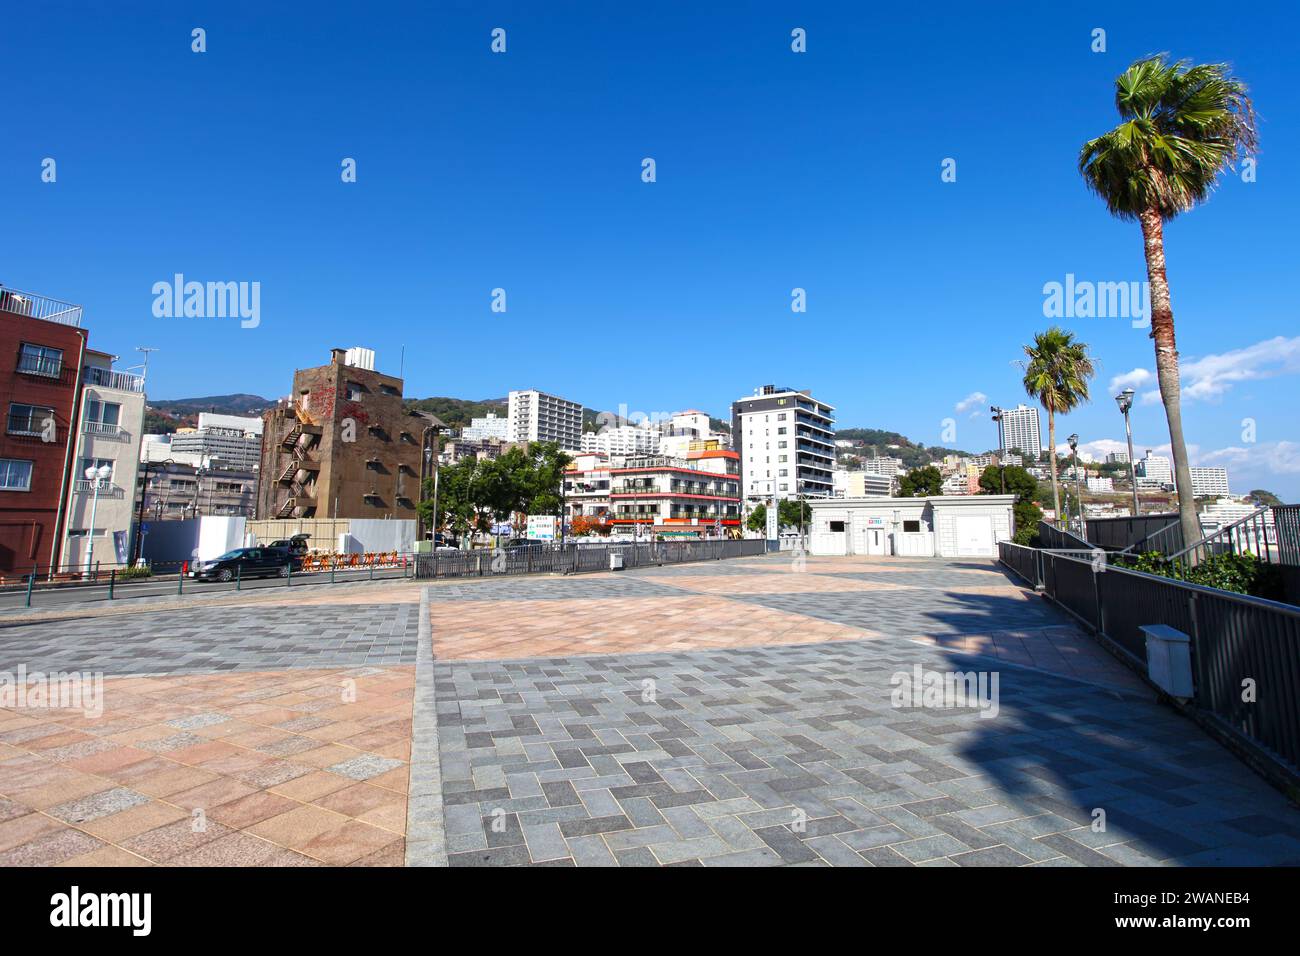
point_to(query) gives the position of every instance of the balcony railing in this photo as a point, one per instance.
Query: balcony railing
(83, 487)
(40, 365)
(40, 307)
(102, 429)
(108, 378)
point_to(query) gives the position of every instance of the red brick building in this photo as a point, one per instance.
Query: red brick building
(42, 348)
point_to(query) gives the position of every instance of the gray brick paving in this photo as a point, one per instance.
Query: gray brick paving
(795, 756)
(198, 639)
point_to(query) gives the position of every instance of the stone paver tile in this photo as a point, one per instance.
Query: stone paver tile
(50, 849)
(173, 839)
(98, 805)
(347, 843)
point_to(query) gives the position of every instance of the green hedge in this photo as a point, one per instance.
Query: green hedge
(1242, 573)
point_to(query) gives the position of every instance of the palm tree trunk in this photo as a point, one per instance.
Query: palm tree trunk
(1051, 460)
(1162, 331)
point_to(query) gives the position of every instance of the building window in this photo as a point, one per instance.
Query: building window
(40, 360)
(103, 413)
(29, 419)
(911, 526)
(15, 475)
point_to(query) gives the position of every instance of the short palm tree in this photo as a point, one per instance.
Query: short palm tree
(1057, 370)
(1183, 127)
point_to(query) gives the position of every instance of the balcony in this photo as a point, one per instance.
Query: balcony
(40, 307)
(104, 430)
(83, 487)
(107, 378)
(40, 365)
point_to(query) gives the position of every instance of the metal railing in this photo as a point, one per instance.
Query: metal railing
(39, 307)
(102, 429)
(83, 486)
(1237, 642)
(1252, 534)
(41, 365)
(1054, 538)
(1286, 525)
(109, 378)
(573, 558)
(1121, 533)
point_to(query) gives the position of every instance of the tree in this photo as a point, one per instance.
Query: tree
(921, 483)
(474, 494)
(787, 515)
(1264, 498)
(1015, 479)
(1183, 127)
(1025, 487)
(1057, 373)
(583, 525)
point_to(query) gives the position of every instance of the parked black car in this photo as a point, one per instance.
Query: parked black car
(260, 562)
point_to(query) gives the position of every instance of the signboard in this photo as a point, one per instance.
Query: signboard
(119, 546)
(875, 521)
(773, 513)
(541, 527)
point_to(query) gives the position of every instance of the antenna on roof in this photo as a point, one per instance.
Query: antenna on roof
(144, 372)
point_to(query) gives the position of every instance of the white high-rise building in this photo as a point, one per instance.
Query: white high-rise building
(1019, 429)
(786, 442)
(536, 416)
(1153, 470)
(1117, 458)
(1209, 482)
(622, 440)
(233, 439)
(490, 426)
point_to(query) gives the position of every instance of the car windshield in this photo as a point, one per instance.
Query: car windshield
(232, 555)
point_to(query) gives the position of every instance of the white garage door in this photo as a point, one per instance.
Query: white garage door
(974, 535)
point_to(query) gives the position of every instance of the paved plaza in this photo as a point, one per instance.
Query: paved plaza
(738, 712)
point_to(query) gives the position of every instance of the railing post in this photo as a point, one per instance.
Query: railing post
(288, 578)
(180, 578)
(31, 583)
(1096, 590)
(239, 568)
(1198, 652)
(112, 579)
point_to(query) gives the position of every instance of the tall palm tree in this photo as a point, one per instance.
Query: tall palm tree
(1184, 126)
(1057, 370)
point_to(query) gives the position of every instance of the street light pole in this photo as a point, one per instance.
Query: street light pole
(1078, 493)
(995, 412)
(1125, 401)
(96, 477)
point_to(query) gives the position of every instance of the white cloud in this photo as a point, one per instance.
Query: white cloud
(975, 401)
(1134, 379)
(1210, 376)
(1278, 458)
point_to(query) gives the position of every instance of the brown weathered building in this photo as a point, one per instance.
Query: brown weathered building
(342, 446)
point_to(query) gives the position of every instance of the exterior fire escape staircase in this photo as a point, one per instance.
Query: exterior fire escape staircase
(299, 475)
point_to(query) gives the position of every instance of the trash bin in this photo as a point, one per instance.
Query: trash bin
(616, 561)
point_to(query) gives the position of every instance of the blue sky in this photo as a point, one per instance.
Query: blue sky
(522, 171)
